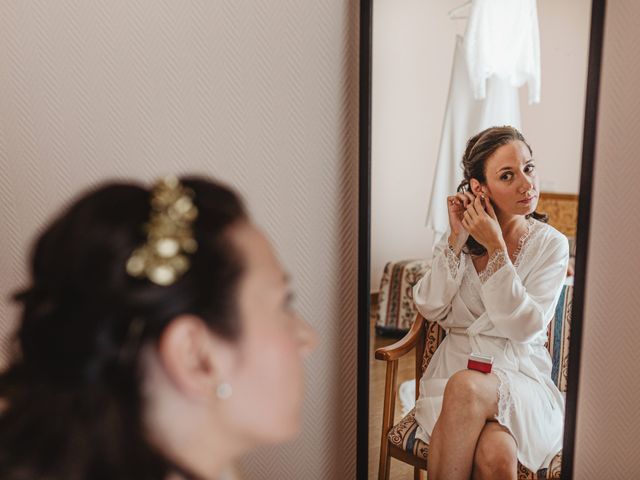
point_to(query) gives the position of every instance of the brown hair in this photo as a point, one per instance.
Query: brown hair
(74, 387)
(478, 150)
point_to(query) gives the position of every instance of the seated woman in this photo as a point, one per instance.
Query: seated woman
(493, 285)
(157, 341)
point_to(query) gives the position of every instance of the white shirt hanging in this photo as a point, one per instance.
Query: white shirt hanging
(503, 39)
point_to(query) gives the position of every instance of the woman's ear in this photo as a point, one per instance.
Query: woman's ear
(189, 358)
(476, 187)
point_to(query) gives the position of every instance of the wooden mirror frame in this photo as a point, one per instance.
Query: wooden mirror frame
(582, 240)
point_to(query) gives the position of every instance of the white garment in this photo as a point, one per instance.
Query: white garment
(502, 39)
(464, 117)
(407, 395)
(503, 312)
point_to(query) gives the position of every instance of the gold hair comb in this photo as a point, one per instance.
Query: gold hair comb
(164, 257)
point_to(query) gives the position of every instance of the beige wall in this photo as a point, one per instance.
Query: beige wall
(260, 94)
(608, 422)
(413, 43)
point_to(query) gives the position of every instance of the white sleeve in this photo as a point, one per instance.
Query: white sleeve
(521, 311)
(433, 293)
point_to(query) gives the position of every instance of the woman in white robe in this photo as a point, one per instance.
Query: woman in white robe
(493, 285)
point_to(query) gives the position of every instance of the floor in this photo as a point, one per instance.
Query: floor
(406, 371)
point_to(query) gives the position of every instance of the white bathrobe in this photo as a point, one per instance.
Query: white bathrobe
(504, 312)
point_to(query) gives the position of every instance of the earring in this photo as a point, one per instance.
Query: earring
(224, 391)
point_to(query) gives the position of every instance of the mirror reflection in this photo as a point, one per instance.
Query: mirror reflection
(477, 117)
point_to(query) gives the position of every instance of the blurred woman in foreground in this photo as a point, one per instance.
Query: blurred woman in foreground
(156, 341)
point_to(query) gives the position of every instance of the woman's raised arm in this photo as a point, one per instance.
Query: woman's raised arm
(434, 292)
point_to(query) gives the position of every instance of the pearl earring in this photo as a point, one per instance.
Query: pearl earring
(224, 391)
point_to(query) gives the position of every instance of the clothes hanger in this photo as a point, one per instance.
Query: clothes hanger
(453, 14)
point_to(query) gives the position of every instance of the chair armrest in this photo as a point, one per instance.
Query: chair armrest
(404, 345)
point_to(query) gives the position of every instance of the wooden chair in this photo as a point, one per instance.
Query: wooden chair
(398, 440)
(562, 209)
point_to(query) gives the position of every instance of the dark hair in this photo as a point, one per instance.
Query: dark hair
(73, 389)
(479, 148)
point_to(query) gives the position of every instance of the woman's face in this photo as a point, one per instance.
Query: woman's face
(511, 180)
(267, 371)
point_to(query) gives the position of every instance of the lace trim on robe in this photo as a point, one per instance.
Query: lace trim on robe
(496, 262)
(453, 261)
(521, 242)
(505, 402)
(499, 259)
(524, 251)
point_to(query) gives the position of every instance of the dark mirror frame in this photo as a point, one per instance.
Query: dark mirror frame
(582, 239)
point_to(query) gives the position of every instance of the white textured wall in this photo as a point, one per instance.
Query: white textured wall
(608, 421)
(260, 94)
(413, 44)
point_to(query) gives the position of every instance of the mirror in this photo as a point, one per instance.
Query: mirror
(425, 92)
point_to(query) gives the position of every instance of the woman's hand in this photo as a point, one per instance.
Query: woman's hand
(480, 220)
(457, 204)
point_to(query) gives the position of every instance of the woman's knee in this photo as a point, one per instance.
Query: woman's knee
(495, 459)
(496, 463)
(468, 388)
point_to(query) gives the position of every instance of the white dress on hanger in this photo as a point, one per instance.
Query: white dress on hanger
(464, 117)
(502, 39)
(503, 311)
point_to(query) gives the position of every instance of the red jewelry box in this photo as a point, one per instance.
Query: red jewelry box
(480, 362)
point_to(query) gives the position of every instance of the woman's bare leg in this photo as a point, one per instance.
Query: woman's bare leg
(496, 454)
(470, 399)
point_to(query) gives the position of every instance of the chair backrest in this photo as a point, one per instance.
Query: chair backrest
(558, 334)
(562, 209)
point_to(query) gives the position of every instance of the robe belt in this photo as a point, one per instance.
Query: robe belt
(458, 330)
(519, 351)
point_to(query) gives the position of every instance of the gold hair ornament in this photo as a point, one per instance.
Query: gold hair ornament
(164, 257)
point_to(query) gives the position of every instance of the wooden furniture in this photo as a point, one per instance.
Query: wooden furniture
(393, 310)
(562, 209)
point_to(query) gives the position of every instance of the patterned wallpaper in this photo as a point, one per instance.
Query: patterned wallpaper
(608, 422)
(260, 94)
